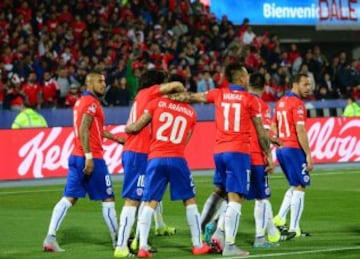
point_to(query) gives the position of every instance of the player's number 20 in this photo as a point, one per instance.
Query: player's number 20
(176, 125)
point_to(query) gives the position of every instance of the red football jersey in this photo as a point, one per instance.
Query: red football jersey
(234, 108)
(257, 155)
(32, 92)
(140, 142)
(49, 90)
(171, 123)
(289, 111)
(89, 104)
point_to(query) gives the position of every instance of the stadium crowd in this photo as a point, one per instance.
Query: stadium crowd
(47, 47)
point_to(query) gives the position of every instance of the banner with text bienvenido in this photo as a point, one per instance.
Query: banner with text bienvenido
(325, 13)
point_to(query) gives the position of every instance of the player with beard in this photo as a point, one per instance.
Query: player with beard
(295, 155)
(88, 173)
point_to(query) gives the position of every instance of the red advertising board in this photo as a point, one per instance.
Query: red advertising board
(43, 153)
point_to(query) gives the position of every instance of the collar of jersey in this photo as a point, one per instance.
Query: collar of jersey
(88, 93)
(292, 94)
(237, 88)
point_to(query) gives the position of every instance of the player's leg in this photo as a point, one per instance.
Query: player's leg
(300, 179)
(73, 188)
(161, 229)
(154, 189)
(99, 187)
(182, 187)
(133, 186)
(57, 216)
(237, 184)
(211, 206)
(280, 218)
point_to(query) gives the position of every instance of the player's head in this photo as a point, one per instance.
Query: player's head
(178, 78)
(301, 85)
(257, 81)
(150, 78)
(95, 83)
(237, 74)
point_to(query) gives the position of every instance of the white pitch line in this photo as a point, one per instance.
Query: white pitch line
(298, 252)
(21, 192)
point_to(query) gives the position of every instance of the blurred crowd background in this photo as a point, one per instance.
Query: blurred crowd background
(48, 46)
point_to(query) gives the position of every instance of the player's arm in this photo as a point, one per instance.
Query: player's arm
(84, 133)
(135, 127)
(172, 87)
(109, 135)
(188, 97)
(188, 137)
(304, 143)
(264, 142)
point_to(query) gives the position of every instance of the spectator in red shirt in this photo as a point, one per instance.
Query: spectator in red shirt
(72, 96)
(50, 91)
(32, 91)
(14, 98)
(79, 26)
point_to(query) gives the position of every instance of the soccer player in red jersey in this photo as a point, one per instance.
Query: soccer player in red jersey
(259, 180)
(235, 111)
(172, 124)
(135, 156)
(88, 173)
(295, 155)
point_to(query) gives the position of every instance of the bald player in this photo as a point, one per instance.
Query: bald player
(88, 173)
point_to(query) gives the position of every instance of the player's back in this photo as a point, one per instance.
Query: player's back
(266, 119)
(289, 111)
(141, 141)
(234, 109)
(88, 104)
(170, 126)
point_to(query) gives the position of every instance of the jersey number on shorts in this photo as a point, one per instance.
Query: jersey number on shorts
(226, 112)
(176, 125)
(282, 119)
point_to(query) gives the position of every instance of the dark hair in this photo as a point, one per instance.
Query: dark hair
(177, 77)
(150, 78)
(231, 69)
(296, 78)
(257, 81)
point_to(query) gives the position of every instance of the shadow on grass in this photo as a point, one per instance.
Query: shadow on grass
(82, 235)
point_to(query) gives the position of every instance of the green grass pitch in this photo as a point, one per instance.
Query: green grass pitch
(332, 215)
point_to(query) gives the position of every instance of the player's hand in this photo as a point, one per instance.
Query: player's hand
(89, 166)
(309, 163)
(120, 140)
(275, 141)
(270, 164)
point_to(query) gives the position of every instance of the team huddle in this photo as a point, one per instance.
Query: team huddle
(160, 125)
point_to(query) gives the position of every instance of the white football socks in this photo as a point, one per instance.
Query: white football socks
(232, 218)
(193, 219)
(260, 218)
(297, 207)
(109, 214)
(285, 205)
(144, 226)
(270, 227)
(58, 214)
(158, 217)
(127, 219)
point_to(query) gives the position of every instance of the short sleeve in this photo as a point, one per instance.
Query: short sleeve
(299, 113)
(91, 108)
(254, 106)
(151, 106)
(266, 116)
(211, 95)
